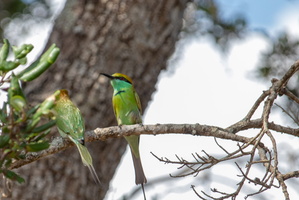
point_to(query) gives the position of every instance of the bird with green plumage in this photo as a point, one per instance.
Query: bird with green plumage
(127, 110)
(70, 123)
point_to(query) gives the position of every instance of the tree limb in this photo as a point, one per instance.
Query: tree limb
(268, 157)
(59, 144)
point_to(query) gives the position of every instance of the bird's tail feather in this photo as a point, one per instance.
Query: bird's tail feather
(94, 174)
(87, 161)
(139, 174)
(142, 186)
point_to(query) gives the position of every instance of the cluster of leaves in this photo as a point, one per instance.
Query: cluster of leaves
(207, 19)
(22, 127)
(275, 61)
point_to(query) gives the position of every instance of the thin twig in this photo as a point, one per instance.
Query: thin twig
(290, 95)
(287, 113)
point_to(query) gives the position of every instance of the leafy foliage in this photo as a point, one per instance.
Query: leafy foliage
(23, 128)
(275, 61)
(205, 18)
(29, 10)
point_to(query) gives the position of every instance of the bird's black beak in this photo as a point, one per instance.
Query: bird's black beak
(107, 75)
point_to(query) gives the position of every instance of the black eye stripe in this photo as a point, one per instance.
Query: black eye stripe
(123, 79)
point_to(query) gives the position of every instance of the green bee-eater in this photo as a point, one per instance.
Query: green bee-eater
(127, 110)
(70, 124)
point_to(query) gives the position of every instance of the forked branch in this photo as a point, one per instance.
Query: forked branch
(251, 148)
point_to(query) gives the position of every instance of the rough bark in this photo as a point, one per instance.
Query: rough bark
(134, 37)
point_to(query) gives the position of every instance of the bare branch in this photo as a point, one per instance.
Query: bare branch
(294, 68)
(256, 105)
(287, 113)
(57, 144)
(291, 175)
(250, 148)
(289, 94)
(223, 149)
(258, 123)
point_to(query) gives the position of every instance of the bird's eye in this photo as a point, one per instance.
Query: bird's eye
(123, 79)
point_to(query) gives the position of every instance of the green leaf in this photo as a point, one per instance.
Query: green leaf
(41, 65)
(6, 66)
(32, 110)
(13, 176)
(22, 51)
(18, 103)
(23, 61)
(44, 127)
(7, 162)
(5, 129)
(15, 88)
(4, 139)
(41, 135)
(33, 123)
(34, 70)
(30, 136)
(45, 107)
(3, 113)
(53, 55)
(34, 147)
(4, 50)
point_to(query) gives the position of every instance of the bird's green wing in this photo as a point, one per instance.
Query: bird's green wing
(115, 109)
(138, 102)
(69, 120)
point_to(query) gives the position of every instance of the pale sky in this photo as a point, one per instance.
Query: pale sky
(206, 88)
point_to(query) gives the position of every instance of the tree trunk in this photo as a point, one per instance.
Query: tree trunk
(133, 37)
